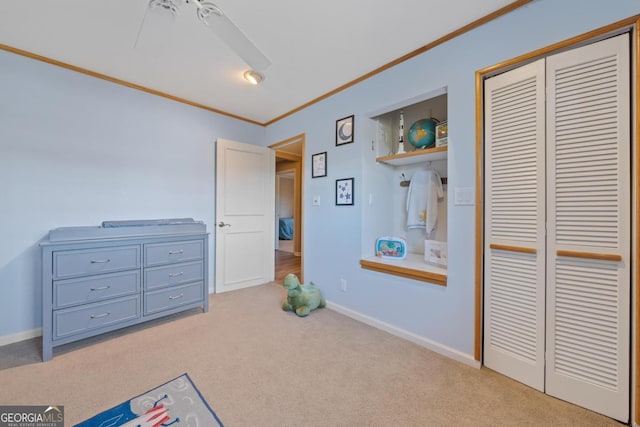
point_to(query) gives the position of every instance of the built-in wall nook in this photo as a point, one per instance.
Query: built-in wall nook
(405, 186)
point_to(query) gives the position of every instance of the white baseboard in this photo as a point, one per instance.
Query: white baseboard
(20, 336)
(410, 336)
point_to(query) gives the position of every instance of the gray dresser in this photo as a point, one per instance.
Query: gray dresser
(98, 279)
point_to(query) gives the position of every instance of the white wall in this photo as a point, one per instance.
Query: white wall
(441, 316)
(76, 150)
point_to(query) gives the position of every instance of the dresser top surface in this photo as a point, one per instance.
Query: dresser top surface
(87, 233)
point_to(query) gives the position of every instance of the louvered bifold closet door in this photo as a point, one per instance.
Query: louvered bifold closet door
(588, 242)
(514, 233)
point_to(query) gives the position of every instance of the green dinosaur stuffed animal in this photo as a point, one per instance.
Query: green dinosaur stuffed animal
(301, 298)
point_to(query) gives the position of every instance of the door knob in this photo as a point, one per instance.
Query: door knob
(222, 224)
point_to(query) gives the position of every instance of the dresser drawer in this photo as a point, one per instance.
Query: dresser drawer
(94, 261)
(95, 288)
(169, 298)
(77, 320)
(173, 274)
(164, 253)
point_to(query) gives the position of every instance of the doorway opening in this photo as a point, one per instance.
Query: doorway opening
(289, 227)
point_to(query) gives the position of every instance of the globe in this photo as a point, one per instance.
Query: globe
(422, 134)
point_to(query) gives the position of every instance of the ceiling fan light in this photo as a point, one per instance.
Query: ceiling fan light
(253, 77)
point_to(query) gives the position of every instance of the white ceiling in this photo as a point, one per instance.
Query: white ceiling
(314, 46)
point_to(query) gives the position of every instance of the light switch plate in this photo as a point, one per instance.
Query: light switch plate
(464, 196)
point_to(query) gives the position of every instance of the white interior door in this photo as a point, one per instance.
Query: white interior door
(514, 288)
(245, 206)
(589, 230)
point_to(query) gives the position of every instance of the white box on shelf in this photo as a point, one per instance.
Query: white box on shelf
(442, 134)
(435, 252)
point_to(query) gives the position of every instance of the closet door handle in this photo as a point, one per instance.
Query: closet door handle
(222, 224)
(513, 248)
(590, 255)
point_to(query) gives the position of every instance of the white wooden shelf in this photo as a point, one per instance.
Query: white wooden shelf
(416, 156)
(412, 267)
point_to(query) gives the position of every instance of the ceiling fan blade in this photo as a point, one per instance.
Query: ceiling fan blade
(157, 23)
(220, 24)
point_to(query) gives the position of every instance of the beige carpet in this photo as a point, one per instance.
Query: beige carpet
(259, 366)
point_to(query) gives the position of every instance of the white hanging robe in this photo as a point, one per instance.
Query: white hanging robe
(422, 200)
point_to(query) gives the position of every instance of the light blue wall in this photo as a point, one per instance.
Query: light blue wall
(76, 150)
(332, 234)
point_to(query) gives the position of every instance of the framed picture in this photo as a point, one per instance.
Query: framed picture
(319, 165)
(435, 252)
(344, 192)
(344, 131)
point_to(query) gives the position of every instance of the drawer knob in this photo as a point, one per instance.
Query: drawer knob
(100, 261)
(176, 252)
(97, 316)
(176, 297)
(101, 288)
(176, 274)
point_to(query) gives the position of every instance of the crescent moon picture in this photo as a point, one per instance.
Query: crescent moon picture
(344, 135)
(344, 130)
